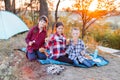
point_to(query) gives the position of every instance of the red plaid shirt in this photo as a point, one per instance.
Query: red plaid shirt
(39, 38)
(57, 46)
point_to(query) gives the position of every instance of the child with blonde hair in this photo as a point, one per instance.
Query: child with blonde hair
(76, 49)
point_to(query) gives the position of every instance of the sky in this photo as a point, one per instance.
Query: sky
(21, 2)
(63, 4)
(93, 5)
(18, 3)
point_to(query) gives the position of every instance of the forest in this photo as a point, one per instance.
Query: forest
(89, 15)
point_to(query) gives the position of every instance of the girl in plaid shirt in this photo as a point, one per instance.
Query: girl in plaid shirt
(76, 50)
(57, 45)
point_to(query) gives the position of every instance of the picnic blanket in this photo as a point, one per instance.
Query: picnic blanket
(99, 61)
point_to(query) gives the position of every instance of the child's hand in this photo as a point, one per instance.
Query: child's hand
(31, 43)
(88, 57)
(67, 41)
(83, 52)
(46, 40)
(42, 50)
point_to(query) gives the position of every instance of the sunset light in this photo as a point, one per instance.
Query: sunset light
(36, 41)
(93, 5)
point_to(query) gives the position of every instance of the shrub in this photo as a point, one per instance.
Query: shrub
(27, 21)
(113, 39)
(106, 37)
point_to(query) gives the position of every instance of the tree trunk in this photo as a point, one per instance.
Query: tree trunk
(10, 7)
(13, 7)
(43, 7)
(83, 32)
(56, 17)
(7, 5)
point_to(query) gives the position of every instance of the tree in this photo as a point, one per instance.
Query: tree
(56, 17)
(104, 8)
(43, 7)
(10, 6)
(51, 7)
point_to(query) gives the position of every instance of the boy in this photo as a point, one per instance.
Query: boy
(76, 50)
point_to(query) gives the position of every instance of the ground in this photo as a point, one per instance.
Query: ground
(15, 66)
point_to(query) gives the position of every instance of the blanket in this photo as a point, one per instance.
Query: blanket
(100, 61)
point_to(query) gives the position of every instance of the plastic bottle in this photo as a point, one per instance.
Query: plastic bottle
(95, 53)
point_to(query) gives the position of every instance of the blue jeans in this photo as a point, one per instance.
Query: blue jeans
(87, 63)
(36, 55)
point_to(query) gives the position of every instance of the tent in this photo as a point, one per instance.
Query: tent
(10, 25)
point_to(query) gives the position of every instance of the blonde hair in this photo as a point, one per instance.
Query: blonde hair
(75, 29)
